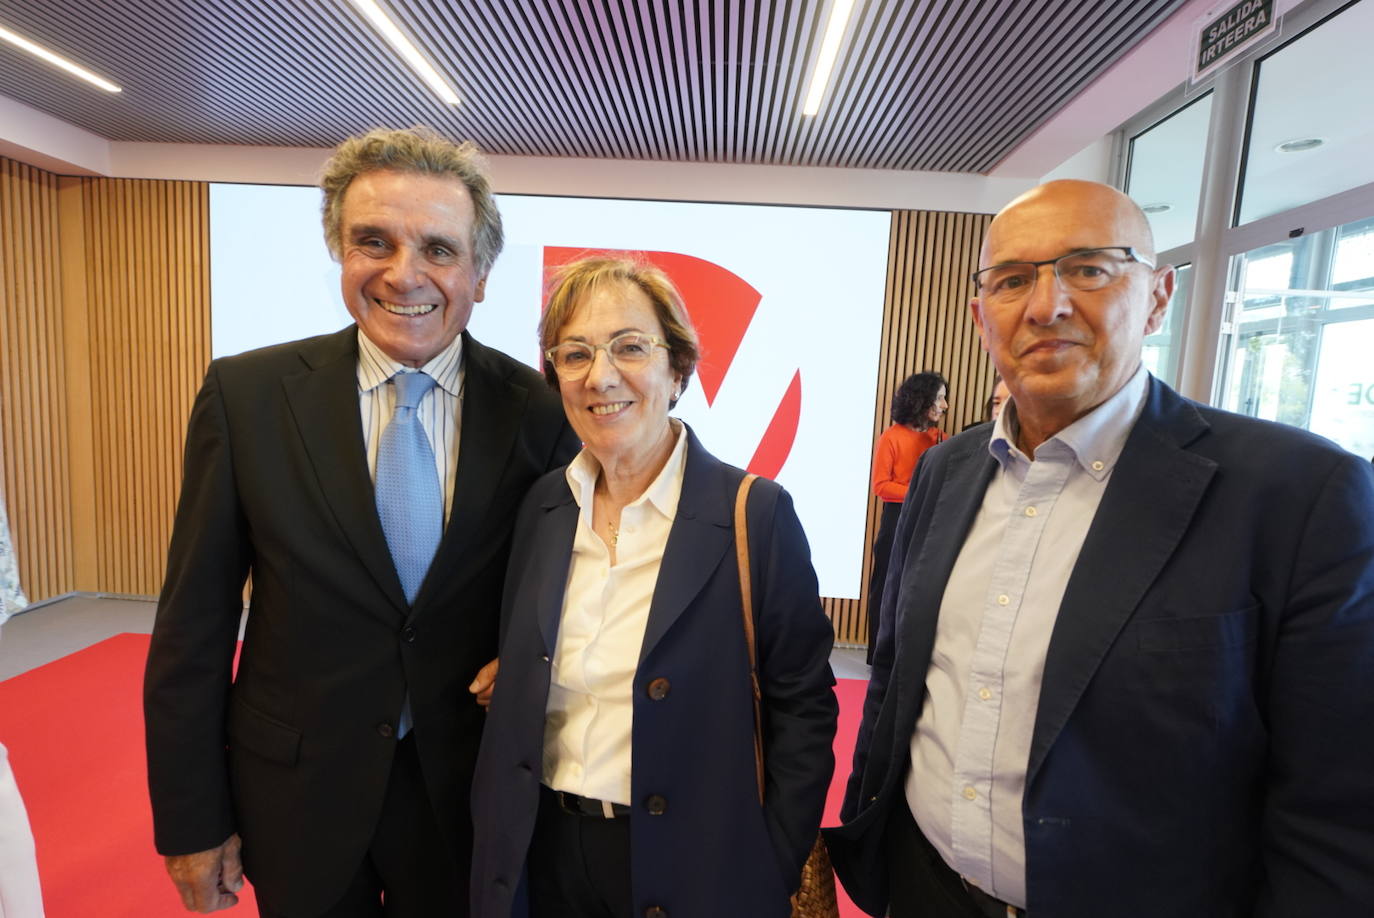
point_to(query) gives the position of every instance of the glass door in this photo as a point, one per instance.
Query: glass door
(1299, 348)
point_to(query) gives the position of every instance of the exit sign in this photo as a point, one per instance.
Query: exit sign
(1221, 36)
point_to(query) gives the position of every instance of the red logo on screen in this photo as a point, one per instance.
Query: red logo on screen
(721, 305)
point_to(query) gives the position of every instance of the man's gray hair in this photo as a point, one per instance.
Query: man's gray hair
(422, 151)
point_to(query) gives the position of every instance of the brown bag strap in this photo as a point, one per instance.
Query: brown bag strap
(747, 595)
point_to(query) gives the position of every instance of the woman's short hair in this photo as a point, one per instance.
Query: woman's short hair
(915, 397)
(574, 281)
(422, 151)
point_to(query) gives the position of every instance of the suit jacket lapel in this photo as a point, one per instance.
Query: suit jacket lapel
(701, 534)
(493, 407)
(1153, 494)
(324, 403)
(553, 548)
(930, 557)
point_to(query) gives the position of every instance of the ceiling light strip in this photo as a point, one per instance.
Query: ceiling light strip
(392, 33)
(830, 49)
(20, 41)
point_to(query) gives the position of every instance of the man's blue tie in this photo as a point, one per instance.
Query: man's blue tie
(409, 501)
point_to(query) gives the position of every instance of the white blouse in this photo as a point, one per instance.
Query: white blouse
(590, 710)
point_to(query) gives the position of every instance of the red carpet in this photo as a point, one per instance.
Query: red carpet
(74, 729)
(851, 695)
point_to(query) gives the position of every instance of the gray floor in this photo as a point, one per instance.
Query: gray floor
(52, 630)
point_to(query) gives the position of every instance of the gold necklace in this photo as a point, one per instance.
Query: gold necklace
(615, 533)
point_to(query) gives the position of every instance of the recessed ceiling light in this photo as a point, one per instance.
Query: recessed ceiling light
(392, 33)
(830, 49)
(1299, 145)
(1157, 208)
(56, 60)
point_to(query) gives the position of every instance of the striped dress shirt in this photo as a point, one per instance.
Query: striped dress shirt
(440, 410)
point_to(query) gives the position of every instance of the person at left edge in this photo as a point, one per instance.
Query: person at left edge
(340, 754)
(617, 773)
(21, 893)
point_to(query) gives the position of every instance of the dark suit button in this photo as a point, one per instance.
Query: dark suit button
(658, 689)
(654, 911)
(544, 657)
(526, 768)
(408, 634)
(386, 730)
(500, 883)
(657, 805)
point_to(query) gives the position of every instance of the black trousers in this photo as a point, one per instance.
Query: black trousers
(578, 866)
(882, 551)
(410, 870)
(921, 884)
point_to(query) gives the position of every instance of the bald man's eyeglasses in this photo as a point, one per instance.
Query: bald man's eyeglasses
(1087, 269)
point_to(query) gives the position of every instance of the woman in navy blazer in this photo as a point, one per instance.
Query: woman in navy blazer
(617, 774)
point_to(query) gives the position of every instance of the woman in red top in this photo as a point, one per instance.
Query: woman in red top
(917, 407)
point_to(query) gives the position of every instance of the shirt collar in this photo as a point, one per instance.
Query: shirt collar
(663, 492)
(1094, 440)
(375, 367)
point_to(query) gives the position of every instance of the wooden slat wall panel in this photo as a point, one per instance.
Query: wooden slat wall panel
(104, 335)
(926, 326)
(148, 289)
(33, 415)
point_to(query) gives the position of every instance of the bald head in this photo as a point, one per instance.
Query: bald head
(1065, 344)
(1072, 208)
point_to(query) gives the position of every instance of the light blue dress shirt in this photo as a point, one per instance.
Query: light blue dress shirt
(972, 741)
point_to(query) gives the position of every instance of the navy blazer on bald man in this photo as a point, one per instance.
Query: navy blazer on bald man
(1204, 742)
(294, 750)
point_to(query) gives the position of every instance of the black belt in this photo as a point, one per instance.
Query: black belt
(991, 905)
(587, 806)
(986, 903)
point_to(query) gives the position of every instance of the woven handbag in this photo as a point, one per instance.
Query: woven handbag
(815, 898)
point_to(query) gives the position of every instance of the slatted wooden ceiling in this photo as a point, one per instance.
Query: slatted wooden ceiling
(920, 84)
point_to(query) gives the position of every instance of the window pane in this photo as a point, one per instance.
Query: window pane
(1315, 88)
(1300, 351)
(1165, 175)
(1354, 267)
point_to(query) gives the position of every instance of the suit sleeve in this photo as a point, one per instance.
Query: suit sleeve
(1318, 838)
(799, 704)
(190, 659)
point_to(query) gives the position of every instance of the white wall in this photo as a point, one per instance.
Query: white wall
(1093, 163)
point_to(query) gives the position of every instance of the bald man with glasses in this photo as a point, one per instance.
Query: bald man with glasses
(1130, 670)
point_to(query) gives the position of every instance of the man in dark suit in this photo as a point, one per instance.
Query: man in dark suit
(339, 754)
(1131, 666)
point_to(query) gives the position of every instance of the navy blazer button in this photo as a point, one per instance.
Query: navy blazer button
(408, 634)
(658, 689)
(656, 804)
(654, 911)
(386, 730)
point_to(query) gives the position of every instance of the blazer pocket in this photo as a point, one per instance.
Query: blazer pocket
(253, 730)
(1198, 632)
